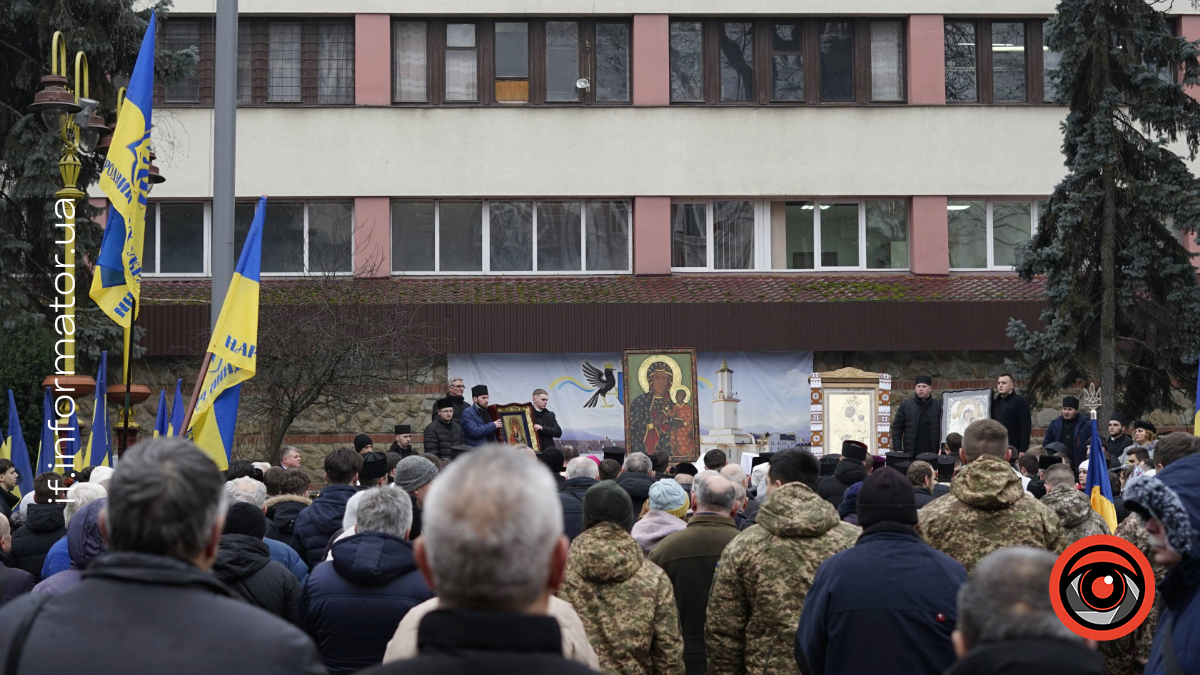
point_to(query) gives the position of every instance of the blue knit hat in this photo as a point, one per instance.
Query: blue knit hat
(667, 495)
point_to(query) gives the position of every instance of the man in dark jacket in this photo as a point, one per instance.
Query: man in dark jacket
(13, 582)
(293, 498)
(917, 425)
(1012, 410)
(582, 473)
(1071, 430)
(403, 442)
(544, 421)
(444, 432)
(690, 556)
(920, 476)
(43, 526)
(414, 475)
(477, 423)
(244, 564)
(163, 527)
(869, 590)
(1118, 438)
(637, 478)
(454, 392)
(851, 469)
(352, 604)
(8, 480)
(317, 523)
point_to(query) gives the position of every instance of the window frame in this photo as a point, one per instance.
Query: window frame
(1034, 61)
(485, 238)
(207, 247)
(307, 271)
(989, 232)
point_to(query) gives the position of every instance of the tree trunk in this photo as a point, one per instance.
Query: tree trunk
(1108, 302)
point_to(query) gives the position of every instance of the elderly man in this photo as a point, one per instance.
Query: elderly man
(582, 473)
(290, 457)
(637, 478)
(454, 393)
(250, 491)
(478, 426)
(917, 426)
(163, 521)
(544, 421)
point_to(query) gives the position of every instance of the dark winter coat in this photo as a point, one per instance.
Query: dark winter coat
(317, 523)
(13, 582)
(8, 501)
(282, 511)
(414, 530)
(478, 427)
(460, 404)
(637, 485)
(869, 590)
(1179, 592)
(1013, 412)
(185, 623)
(905, 424)
(550, 429)
(441, 436)
(352, 604)
(85, 543)
(244, 564)
(1083, 438)
(847, 473)
(1030, 656)
(453, 642)
(749, 515)
(571, 498)
(404, 452)
(43, 526)
(923, 496)
(1113, 447)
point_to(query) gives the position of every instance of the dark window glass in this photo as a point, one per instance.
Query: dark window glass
(511, 236)
(687, 61)
(412, 236)
(607, 236)
(787, 63)
(1008, 62)
(735, 41)
(149, 245)
(801, 244)
(558, 225)
(179, 35)
(961, 77)
(181, 250)
(733, 235)
(612, 62)
(887, 234)
(837, 61)
(330, 237)
(512, 62)
(245, 71)
(460, 236)
(689, 235)
(967, 223)
(839, 235)
(562, 60)
(1050, 61)
(283, 235)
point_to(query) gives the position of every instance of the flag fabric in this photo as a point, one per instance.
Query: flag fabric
(1196, 421)
(49, 441)
(1098, 488)
(175, 426)
(233, 345)
(15, 450)
(72, 441)
(160, 418)
(125, 179)
(97, 450)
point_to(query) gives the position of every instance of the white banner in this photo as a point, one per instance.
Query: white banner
(586, 390)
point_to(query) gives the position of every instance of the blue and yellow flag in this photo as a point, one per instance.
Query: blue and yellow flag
(1098, 487)
(49, 440)
(97, 447)
(1196, 422)
(72, 443)
(233, 345)
(125, 179)
(175, 427)
(14, 449)
(160, 418)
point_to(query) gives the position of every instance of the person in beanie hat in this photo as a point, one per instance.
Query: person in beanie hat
(362, 444)
(552, 457)
(374, 470)
(870, 590)
(668, 507)
(851, 469)
(829, 464)
(626, 602)
(848, 509)
(1071, 430)
(414, 475)
(403, 442)
(477, 424)
(917, 424)
(444, 432)
(244, 564)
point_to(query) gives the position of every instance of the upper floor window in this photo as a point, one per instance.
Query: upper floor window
(985, 235)
(1001, 61)
(176, 239)
(787, 61)
(181, 34)
(315, 237)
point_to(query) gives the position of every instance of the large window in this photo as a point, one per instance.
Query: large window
(787, 61)
(997, 62)
(178, 35)
(315, 237)
(176, 239)
(510, 236)
(986, 234)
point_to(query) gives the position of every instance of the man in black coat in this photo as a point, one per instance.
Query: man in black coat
(1072, 430)
(8, 481)
(163, 530)
(544, 421)
(851, 469)
(13, 582)
(917, 425)
(444, 432)
(582, 473)
(403, 443)
(1012, 410)
(454, 393)
(637, 478)
(44, 525)
(1118, 438)
(316, 523)
(244, 564)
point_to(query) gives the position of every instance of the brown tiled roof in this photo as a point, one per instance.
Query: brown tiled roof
(715, 288)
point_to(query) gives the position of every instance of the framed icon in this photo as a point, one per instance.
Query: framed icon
(661, 407)
(963, 406)
(516, 426)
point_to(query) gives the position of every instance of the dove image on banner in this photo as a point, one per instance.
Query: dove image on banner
(15, 450)
(175, 423)
(97, 450)
(125, 179)
(160, 417)
(1098, 489)
(233, 345)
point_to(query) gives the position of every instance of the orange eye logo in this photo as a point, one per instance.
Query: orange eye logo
(1102, 587)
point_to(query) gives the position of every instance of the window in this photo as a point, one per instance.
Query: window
(179, 35)
(510, 236)
(245, 71)
(986, 234)
(787, 63)
(301, 237)
(562, 60)
(410, 58)
(1050, 61)
(462, 66)
(1008, 62)
(335, 62)
(283, 62)
(176, 239)
(961, 76)
(1002, 70)
(735, 43)
(687, 62)
(837, 61)
(612, 62)
(887, 61)
(512, 62)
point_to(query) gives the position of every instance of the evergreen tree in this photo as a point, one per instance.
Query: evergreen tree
(1123, 297)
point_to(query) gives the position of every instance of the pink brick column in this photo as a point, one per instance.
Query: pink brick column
(651, 235)
(929, 236)
(1189, 27)
(372, 237)
(651, 60)
(372, 59)
(926, 60)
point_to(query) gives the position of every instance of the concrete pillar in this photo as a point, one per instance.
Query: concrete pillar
(372, 237)
(651, 60)
(926, 60)
(930, 236)
(651, 235)
(372, 59)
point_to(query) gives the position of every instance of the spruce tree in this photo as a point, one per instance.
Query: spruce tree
(1124, 304)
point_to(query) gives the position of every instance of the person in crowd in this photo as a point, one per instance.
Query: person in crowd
(1145, 437)
(1011, 410)
(625, 602)
(758, 481)
(44, 525)
(552, 457)
(14, 582)
(316, 523)
(636, 479)
(58, 558)
(988, 509)
(1118, 437)
(290, 457)
(917, 425)
(273, 478)
(352, 604)
(544, 422)
(582, 473)
(85, 542)
(828, 463)
(8, 482)
(238, 468)
(1028, 468)
(947, 466)
(869, 590)
(163, 522)
(454, 392)
(661, 463)
(765, 573)
(1083, 472)
(748, 512)
(494, 561)
(414, 475)
(715, 460)
(478, 426)
(349, 520)
(403, 443)
(1071, 430)
(690, 556)
(250, 491)
(1073, 508)
(570, 452)
(444, 432)
(363, 444)
(851, 469)
(374, 470)
(668, 510)
(920, 476)
(1007, 624)
(609, 469)
(244, 564)
(848, 509)
(283, 509)
(1117, 483)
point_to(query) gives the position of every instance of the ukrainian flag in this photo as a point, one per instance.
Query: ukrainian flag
(233, 346)
(49, 441)
(175, 427)
(1098, 487)
(160, 418)
(97, 448)
(1196, 423)
(14, 449)
(125, 179)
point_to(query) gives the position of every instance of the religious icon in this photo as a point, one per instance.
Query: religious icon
(516, 424)
(661, 412)
(851, 418)
(961, 408)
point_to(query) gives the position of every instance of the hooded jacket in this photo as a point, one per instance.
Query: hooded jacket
(85, 543)
(847, 473)
(43, 526)
(762, 580)
(637, 486)
(625, 602)
(1075, 512)
(244, 564)
(571, 498)
(352, 604)
(316, 523)
(988, 511)
(1030, 656)
(654, 527)
(282, 510)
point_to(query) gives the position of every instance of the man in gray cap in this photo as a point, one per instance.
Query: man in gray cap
(414, 475)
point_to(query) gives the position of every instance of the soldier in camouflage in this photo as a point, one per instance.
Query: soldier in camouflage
(765, 573)
(1127, 655)
(626, 603)
(1073, 508)
(989, 510)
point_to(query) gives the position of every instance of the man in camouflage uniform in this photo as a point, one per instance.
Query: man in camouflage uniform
(765, 573)
(989, 510)
(1073, 508)
(626, 603)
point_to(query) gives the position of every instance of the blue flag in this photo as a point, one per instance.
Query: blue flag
(97, 448)
(49, 442)
(14, 449)
(177, 410)
(1098, 488)
(160, 418)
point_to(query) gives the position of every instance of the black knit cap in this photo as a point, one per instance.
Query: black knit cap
(608, 502)
(248, 519)
(829, 464)
(361, 441)
(442, 403)
(886, 495)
